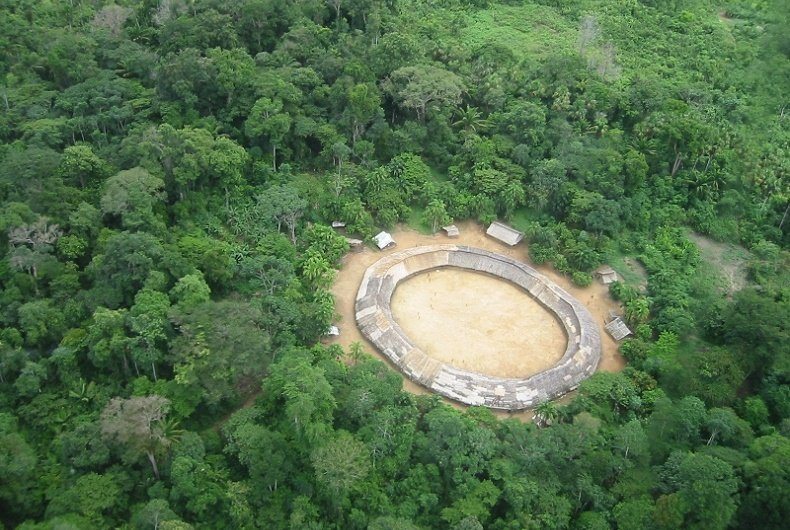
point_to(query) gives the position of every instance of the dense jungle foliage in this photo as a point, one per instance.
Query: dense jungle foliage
(168, 172)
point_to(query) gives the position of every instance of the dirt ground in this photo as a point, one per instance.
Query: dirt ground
(478, 323)
(412, 295)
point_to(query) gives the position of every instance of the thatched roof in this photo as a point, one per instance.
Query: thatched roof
(384, 240)
(607, 275)
(505, 234)
(374, 319)
(617, 329)
(452, 231)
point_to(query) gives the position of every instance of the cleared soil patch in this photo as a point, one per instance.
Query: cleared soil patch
(478, 323)
(595, 297)
(728, 260)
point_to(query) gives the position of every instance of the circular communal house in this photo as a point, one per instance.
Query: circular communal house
(375, 321)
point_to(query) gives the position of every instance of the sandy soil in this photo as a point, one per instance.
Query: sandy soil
(510, 362)
(478, 323)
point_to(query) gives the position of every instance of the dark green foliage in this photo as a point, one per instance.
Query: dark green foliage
(169, 172)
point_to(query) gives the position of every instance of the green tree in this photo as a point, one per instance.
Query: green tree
(420, 88)
(153, 514)
(137, 425)
(267, 118)
(148, 321)
(340, 464)
(18, 465)
(81, 166)
(94, 495)
(222, 349)
(706, 486)
(364, 105)
(283, 205)
(135, 196)
(545, 414)
(435, 215)
(190, 291)
(766, 477)
(41, 322)
(124, 264)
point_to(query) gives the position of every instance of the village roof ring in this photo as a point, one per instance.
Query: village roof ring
(375, 321)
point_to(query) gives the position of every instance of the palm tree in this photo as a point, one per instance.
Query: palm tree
(470, 120)
(165, 433)
(545, 414)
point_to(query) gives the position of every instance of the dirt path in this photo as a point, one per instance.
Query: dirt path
(510, 362)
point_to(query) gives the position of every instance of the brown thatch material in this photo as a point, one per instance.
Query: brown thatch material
(617, 328)
(607, 275)
(505, 234)
(451, 231)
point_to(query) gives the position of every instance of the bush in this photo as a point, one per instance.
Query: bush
(582, 279)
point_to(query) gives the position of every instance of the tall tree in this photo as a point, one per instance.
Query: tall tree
(138, 426)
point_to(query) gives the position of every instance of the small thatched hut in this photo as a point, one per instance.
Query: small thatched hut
(606, 275)
(505, 234)
(451, 231)
(617, 328)
(384, 240)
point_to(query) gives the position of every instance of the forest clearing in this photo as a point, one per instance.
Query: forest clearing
(443, 309)
(197, 196)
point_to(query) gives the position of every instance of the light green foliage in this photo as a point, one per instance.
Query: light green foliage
(41, 322)
(190, 290)
(134, 196)
(435, 215)
(94, 494)
(323, 241)
(169, 171)
(706, 487)
(267, 119)
(424, 88)
(306, 398)
(81, 166)
(282, 206)
(149, 323)
(211, 256)
(526, 31)
(340, 464)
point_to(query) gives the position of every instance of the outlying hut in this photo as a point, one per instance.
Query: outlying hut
(384, 240)
(354, 244)
(617, 328)
(606, 275)
(451, 231)
(505, 234)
